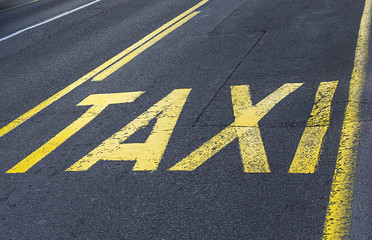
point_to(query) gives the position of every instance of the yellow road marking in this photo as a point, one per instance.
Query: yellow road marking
(18, 6)
(147, 155)
(99, 102)
(184, 17)
(152, 36)
(245, 128)
(307, 155)
(106, 99)
(338, 218)
(107, 72)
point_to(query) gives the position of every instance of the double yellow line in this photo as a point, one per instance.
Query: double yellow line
(110, 66)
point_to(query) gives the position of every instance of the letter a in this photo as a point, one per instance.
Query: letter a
(147, 155)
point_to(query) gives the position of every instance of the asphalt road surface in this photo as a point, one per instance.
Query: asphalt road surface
(184, 119)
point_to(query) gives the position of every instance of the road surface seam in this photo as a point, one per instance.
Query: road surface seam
(228, 77)
(228, 17)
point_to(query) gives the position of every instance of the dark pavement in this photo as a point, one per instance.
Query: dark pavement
(263, 44)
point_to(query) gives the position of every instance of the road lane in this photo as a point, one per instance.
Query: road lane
(19, 15)
(5, 7)
(110, 66)
(225, 50)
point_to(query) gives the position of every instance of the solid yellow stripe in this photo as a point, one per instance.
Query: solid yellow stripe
(23, 118)
(148, 37)
(338, 219)
(6, 129)
(113, 68)
(307, 155)
(56, 141)
(18, 6)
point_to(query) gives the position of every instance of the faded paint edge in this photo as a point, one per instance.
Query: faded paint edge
(338, 218)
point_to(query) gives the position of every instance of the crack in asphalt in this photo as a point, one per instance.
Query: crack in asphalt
(229, 76)
(227, 17)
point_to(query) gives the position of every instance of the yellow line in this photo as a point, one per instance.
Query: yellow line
(338, 218)
(113, 68)
(308, 151)
(148, 154)
(56, 141)
(150, 36)
(12, 125)
(18, 6)
(99, 102)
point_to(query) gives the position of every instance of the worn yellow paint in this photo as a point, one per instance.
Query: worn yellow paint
(307, 155)
(107, 72)
(99, 102)
(148, 154)
(245, 128)
(338, 218)
(153, 36)
(128, 54)
(110, 98)
(29, 114)
(20, 5)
